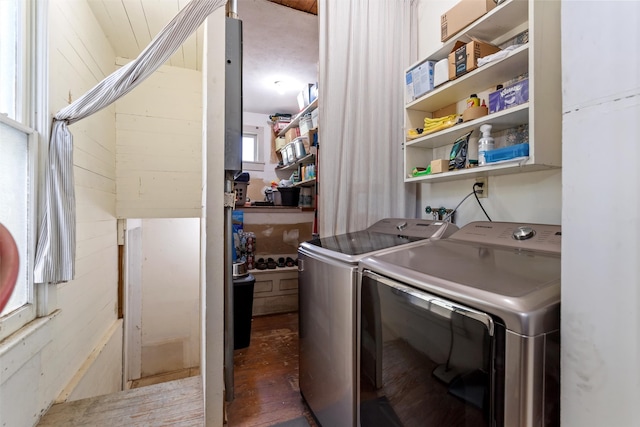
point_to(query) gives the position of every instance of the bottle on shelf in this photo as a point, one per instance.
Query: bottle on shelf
(485, 143)
(473, 101)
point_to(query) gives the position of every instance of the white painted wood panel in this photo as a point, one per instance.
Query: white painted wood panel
(158, 126)
(90, 179)
(600, 325)
(133, 305)
(212, 283)
(101, 372)
(114, 12)
(159, 147)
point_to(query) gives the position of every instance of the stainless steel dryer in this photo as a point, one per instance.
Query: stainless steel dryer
(463, 331)
(327, 279)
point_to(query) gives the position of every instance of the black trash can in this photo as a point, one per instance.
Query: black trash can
(242, 309)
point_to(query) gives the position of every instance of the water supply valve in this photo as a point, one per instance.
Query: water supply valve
(440, 213)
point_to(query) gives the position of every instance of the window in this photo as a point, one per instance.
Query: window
(20, 51)
(249, 147)
(12, 61)
(17, 181)
(252, 148)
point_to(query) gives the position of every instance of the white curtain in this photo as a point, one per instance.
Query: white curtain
(365, 47)
(55, 252)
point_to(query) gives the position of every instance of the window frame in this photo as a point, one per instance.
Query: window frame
(258, 133)
(32, 114)
(14, 320)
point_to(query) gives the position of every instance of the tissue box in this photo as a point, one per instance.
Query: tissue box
(510, 96)
(441, 72)
(419, 80)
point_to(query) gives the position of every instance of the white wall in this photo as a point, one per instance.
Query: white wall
(533, 197)
(170, 295)
(159, 146)
(600, 252)
(257, 120)
(79, 57)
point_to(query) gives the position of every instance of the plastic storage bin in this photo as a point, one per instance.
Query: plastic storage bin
(507, 153)
(240, 183)
(289, 195)
(242, 310)
(240, 189)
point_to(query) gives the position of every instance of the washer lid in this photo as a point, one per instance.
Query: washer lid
(522, 287)
(361, 242)
(384, 234)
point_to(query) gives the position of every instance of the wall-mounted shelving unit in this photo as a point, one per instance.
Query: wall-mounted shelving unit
(539, 58)
(295, 122)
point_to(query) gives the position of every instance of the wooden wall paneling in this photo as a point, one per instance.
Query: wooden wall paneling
(159, 147)
(137, 24)
(156, 20)
(80, 56)
(95, 376)
(275, 291)
(115, 12)
(86, 44)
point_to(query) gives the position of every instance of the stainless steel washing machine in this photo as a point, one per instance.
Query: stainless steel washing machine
(327, 280)
(463, 331)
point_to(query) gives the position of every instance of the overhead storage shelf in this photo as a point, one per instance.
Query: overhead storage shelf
(295, 122)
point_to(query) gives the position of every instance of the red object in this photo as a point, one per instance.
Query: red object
(9, 265)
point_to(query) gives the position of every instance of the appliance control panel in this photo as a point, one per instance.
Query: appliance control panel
(537, 237)
(412, 227)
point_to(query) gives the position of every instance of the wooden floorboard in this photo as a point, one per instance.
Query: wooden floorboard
(173, 403)
(266, 375)
(266, 390)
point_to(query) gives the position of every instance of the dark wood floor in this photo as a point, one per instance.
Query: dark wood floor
(266, 375)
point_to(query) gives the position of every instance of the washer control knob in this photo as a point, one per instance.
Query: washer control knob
(402, 225)
(523, 233)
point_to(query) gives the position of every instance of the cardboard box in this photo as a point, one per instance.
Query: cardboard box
(439, 166)
(445, 111)
(464, 57)
(461, 15)
(510, 96)
(473, 113)
(291, 134)
(419, 80)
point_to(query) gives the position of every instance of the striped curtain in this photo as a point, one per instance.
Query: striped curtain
(56, 247)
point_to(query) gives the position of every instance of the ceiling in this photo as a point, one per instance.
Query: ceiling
(309, 6)
(280, 43)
